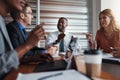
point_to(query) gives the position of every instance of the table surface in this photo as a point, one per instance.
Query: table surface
(79, 62)
(80, 66)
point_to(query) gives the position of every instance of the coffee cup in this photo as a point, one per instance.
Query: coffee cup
(56, 50)
(93, 60)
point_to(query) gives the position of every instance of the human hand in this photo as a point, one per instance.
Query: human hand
(116, 52)
(92, 43)
(89, 36)
(35, 35)
(47, 57)
(51, 50)
(60, 37)
(68, 54)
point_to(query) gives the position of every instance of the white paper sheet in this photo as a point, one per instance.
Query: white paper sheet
(54, 75)
(110, 57)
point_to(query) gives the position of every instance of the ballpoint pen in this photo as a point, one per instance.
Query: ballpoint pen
(52, 75)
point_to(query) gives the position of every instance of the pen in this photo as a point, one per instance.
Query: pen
(53, 75)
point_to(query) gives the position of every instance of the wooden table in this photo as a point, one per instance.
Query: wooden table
(80, 66)
(78, 61)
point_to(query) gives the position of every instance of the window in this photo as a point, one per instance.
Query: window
(76, 11)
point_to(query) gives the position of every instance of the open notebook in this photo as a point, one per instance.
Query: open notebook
(110, 59)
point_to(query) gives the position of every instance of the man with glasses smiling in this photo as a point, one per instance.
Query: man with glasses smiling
(18, 35)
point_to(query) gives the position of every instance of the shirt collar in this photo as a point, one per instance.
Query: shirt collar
(60, 32)
(20, 26)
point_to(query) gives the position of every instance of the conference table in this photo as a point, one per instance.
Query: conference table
(77, 63)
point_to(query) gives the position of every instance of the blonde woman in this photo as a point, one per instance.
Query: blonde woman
(108, 36)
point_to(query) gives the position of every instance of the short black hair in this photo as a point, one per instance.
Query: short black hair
(15, 14)
(62, 18)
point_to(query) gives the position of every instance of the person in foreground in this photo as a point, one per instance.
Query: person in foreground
(60, 36)
(108, 36)
(18, 35)
(9, 57)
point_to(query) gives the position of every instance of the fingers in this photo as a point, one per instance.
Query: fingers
(116, 52)
(61, 36)
(68, 54)
(117, 48)
(51, 50)
(50, 58)
(87, 34)
(35, 35)
(38, 30)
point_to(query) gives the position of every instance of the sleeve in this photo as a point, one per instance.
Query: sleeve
(14, 37)
(50, 40)
(32, 55)
(8, 61)
(8, 58)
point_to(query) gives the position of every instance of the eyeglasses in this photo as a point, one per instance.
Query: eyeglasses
(28, 12)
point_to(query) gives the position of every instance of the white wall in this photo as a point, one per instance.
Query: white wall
(114, 5)
(99, 5)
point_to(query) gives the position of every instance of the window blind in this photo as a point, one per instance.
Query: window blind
(76, 11)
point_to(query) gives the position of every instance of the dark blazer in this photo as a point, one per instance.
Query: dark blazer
(17, 39)
(15, 34)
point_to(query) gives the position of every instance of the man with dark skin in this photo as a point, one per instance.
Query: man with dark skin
(58, 36)
(9, 57)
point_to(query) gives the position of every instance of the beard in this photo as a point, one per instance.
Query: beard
(61, 29)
